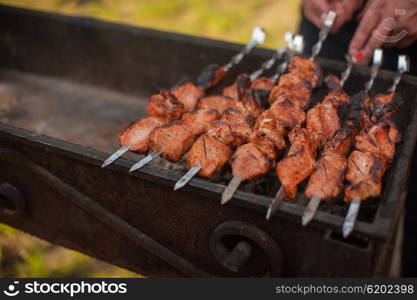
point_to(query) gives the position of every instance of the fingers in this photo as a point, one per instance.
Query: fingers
(345, 10)
(367, 25)
(314, 10)
(377, 39)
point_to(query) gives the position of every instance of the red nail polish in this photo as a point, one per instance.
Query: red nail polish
(359, 55)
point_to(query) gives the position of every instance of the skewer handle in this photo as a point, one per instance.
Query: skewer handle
(258, 37)
(376, 65)
(403, 67)
(324, 32)
(295, 46)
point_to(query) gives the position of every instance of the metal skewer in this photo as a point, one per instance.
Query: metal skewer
(279, 54)
(258, 37)
(296, 45)
(355, 205)
(324, 32)
(314, 202)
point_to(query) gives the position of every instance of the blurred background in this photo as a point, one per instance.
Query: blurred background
(24, 256)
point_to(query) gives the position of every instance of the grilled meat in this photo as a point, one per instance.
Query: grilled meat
(176, 138)
(375, 149)
(323, 119)
(238, 89)
(299, 162)
(188, 94)
(288, 101)
(327, 179)
(210, 154)
(217, 102)
(211, 76)
(165, 105)
(263, 83)
(364, 173)
(136, 135)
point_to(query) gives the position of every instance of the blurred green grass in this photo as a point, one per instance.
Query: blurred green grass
(24, 256)
(230, 20)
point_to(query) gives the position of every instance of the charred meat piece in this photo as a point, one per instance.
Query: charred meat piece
(380, 140)
(287, 113)
(250, 161)
(299, 162)
(238, 89)
(211, 76)
(188, 94)
(176, 138)
(327, 179)
(214, 149)
(165, 105)
(294, 88)
(210, 154)
(136, 135)
(219, 103)
(263, 83)
(383, 105)
(307, 68)
(364, 173)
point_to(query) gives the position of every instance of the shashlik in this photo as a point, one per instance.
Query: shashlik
(322, 122)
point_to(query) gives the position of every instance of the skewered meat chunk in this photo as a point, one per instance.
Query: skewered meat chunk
(165, 105)
(380, 140)
(211, 76)
(230, 134)
(176, 138)
(210, 154)
(298, 164)
(213, 149)
(238, 89)
(295, 88)
(383, 105)
(237, 114)
(327, 179)
(287, 113)
(219, 103)
(375, 149)
(263, 83)
(341, 143)
(307, 68)
(136, 135)
(365, 173)
(267, 126)
(249, 160)
(188, 94)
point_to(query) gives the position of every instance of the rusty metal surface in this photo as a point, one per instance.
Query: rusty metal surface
(80, 103)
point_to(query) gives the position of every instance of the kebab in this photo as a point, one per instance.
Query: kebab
(288, 101)
(322, 123)
(173, 140)
(375, 149)
(167, 106)
(213, 149)
(236, 96)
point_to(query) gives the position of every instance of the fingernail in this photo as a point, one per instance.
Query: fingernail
(359, 55)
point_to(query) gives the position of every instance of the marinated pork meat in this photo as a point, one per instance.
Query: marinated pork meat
(188, 94)
(165, 105)
(137, 134)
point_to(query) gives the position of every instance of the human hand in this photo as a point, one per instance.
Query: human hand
(316, 10)
(385, 23)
